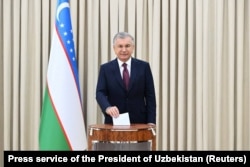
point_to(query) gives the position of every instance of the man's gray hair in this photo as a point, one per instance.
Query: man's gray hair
(122, 35)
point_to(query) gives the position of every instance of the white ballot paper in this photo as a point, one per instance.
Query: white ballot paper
(123, 119)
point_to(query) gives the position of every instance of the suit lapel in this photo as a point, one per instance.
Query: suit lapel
(116, 73)
(133, 73)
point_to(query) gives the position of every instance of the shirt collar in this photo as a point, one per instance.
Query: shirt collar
(127, 62)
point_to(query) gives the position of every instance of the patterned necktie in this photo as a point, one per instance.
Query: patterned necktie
(125, 75)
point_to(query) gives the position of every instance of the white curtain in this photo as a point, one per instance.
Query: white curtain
(198, 51)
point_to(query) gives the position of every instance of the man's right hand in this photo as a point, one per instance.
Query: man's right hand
(112, 111)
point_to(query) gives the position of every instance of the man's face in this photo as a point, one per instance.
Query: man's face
(123, 48)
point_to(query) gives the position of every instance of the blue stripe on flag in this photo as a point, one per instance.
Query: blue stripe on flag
(65, 32)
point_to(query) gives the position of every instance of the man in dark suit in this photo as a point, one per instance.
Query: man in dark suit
(112, 94)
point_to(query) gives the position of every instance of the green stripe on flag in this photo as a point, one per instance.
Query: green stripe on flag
(51, 136)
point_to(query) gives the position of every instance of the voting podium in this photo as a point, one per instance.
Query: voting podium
(122, 137)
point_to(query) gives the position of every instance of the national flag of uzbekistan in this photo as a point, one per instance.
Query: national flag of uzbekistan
(62, 123)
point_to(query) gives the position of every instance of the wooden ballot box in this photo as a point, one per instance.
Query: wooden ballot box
(122, 137)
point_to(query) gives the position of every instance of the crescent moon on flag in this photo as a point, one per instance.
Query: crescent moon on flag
(60, 8)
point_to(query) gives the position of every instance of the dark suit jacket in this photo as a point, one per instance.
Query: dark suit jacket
(139, 100)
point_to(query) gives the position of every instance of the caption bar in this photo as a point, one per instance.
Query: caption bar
(12, 158)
